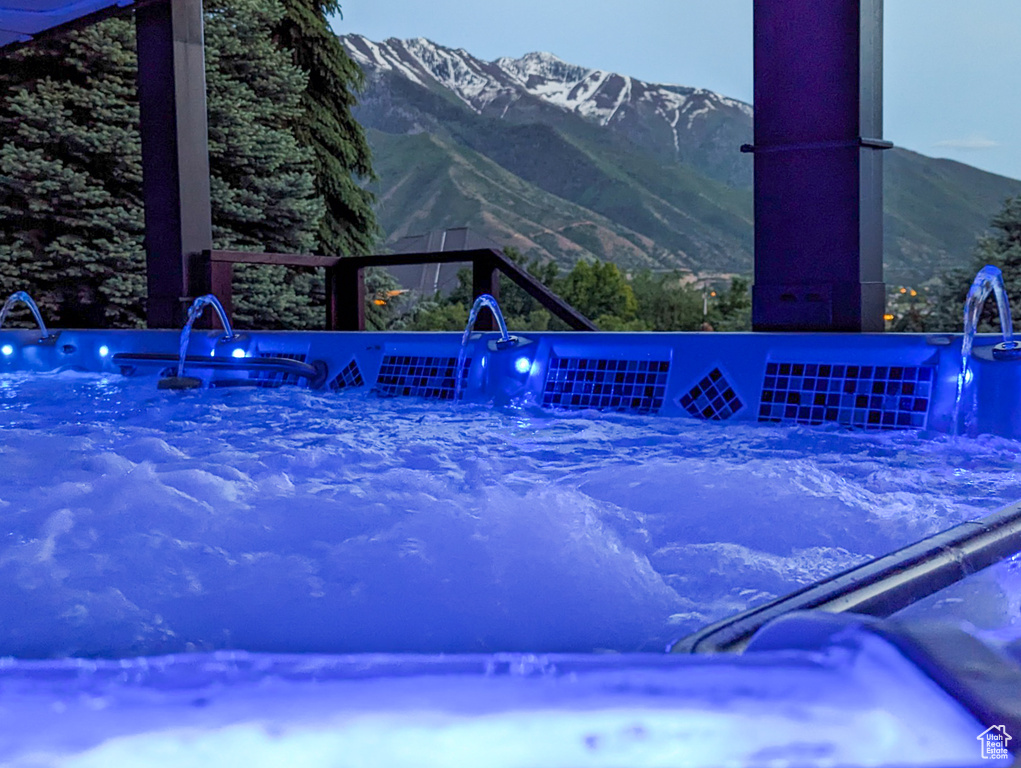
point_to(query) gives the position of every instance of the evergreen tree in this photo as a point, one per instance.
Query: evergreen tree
(387, 306)
(1001, 248)
(70, 177)
(261, 180)
(327, 126)
(70, 170)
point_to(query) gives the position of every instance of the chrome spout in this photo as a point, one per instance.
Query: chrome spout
(23, 298)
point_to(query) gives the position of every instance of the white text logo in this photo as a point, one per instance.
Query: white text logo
(994, 743)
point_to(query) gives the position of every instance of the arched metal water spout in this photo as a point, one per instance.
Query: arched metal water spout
(989, 280)
(194, 311)
(23, 298)
(485, 300)
(505, 341)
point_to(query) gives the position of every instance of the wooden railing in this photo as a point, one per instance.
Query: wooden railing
(345, 285)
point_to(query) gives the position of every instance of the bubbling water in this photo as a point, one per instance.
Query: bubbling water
(140, 522)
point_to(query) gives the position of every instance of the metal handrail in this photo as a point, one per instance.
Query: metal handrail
(882, 586)
(345, 287)
(264, 364)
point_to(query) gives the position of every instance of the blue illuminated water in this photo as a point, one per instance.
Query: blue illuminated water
(139, 522)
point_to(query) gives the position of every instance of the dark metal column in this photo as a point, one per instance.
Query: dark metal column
(175, 155)
(818, 166)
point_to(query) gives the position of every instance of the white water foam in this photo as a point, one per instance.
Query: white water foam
(141, 522)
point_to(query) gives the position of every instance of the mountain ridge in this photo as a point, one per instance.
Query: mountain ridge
(653, 165)
(647, 114)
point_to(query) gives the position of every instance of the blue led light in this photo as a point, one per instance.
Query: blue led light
(237, 353)
(104, 351)
(522, 365)
(7, 349)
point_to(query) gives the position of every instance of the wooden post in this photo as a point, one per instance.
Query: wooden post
(485, 279)
(175, 154)
(207, 274)
(221, 275)
(345, 296)
(332, 299)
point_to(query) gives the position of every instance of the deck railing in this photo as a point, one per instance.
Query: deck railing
(345, 284)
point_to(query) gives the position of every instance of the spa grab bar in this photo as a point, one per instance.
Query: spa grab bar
(880, 587)
(315, 373)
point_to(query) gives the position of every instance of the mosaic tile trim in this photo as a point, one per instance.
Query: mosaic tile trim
(865, 396)
(712, 398)
(273, 379)
(349, 376)
(634, 386)
(408, 376)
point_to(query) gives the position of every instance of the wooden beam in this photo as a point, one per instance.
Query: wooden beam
(278, 259)
(175, 154)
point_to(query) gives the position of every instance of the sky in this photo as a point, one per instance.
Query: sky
(952, 68)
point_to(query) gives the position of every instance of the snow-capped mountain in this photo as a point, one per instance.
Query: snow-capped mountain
(568, 162)
(477, 83)
(606, 96)
(691, 125)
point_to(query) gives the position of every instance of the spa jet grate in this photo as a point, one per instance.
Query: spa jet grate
(864, 396)
(633, 386)
(430, 377)
(712, 398)
(350, 376)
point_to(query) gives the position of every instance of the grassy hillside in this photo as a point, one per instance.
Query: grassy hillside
(428, 182)
(934, 211)
(560, 187)
(681, 218)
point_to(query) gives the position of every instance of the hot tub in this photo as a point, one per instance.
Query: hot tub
(245, 568)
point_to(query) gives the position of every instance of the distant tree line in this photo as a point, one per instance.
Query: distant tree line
(597, 289)
(939, 307)
(285, 159)
(668, 302)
